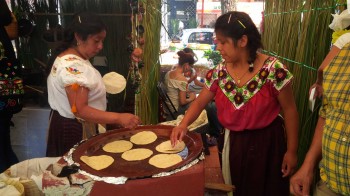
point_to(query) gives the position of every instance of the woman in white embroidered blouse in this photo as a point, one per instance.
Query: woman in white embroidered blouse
(75, 87)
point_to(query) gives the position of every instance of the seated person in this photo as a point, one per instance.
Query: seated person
(190, 73)
(176, 84)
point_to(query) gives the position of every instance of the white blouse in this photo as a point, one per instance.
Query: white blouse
(174, 86)
(70, 69)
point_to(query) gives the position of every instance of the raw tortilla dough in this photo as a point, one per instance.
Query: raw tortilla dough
(165, 160)
(165, 147)
(137, 154)
(118, 146)
(143, 137)
(114, 82)
(98, 162)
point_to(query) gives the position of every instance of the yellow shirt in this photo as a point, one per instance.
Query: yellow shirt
(335, 164)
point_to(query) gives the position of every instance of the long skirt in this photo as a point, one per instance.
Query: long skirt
(64, 133)
(255, 160)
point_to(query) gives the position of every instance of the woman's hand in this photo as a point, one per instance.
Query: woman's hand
(301, 181)
(129, 121)
(289, 163)
(177, 134)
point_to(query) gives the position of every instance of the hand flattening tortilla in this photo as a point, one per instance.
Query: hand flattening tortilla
(117, 146)
(165, 147)
(97, 162)
(137, 154)
(143, 138)
(165, 160)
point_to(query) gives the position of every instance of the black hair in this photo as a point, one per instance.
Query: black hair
(190, 51)
(83, 24)
(185, 58)
(235, 24)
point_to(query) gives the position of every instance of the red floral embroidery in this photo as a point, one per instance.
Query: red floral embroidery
(280, 74)
(229, 86)
(209, 74)
(222, 74)
(238, 98)
(252, 85)
(263, 74)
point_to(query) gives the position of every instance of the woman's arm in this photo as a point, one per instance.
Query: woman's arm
(301, 181)
(291, 121)
(191, 115)
(78, 99)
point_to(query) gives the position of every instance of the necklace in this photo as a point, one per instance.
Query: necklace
(251, 67)
(239, 78)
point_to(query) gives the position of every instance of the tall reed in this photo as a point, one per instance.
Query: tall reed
(297, 32)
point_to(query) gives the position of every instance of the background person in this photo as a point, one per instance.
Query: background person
(194, 84)
(75, 87)
(341, 36)
(250, 89)
(331, 142)
(176, 83)
(7, 156)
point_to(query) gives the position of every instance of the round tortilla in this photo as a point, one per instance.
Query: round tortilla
(143, 138)
(98, 162)
(165, 160)
(137, 154)
(114, 82)
(165, 147)
(117, 146)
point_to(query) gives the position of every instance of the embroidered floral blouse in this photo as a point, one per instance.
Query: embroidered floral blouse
(254, 105)
(70, 69)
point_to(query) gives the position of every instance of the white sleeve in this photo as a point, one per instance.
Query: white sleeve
(77, 71)
(342, 40)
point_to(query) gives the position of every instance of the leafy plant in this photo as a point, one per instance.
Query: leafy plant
(213, 55)
(174, 26)
(192, 23)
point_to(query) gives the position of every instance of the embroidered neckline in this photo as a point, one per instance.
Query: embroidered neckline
(240, 95)
(272, 70)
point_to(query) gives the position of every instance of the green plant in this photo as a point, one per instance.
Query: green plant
(192, 23)
(213, 55)
(174, 26)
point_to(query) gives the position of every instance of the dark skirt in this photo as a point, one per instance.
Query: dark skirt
(256, 160)
(64, 133)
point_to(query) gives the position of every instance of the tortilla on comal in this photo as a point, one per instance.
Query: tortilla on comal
(117, 146)
(137, 154)
(165, 160)
(165, 147)
(143, 138)
(97, 162)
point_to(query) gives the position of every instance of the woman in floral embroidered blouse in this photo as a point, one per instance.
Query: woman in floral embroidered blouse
(259, 147)
(75, 87)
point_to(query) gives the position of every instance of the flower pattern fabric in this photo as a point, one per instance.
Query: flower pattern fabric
(272, 71)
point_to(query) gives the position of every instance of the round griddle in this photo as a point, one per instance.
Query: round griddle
(134, 169)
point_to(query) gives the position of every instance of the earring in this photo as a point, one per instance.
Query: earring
(78, 43)
(251, 67)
